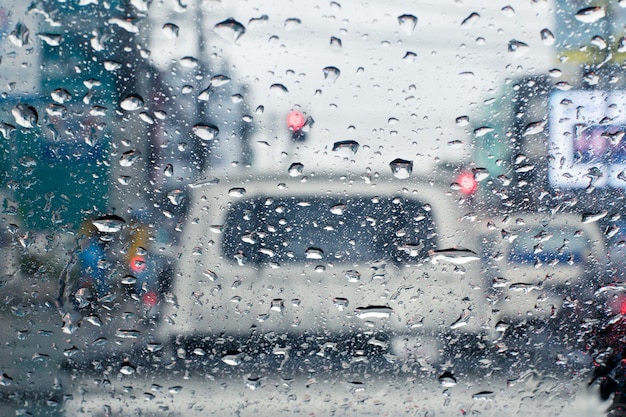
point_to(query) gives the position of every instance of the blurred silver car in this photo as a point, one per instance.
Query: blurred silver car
(324, 258)
(538, 264)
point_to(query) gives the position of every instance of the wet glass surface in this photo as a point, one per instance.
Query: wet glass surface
(312, 208)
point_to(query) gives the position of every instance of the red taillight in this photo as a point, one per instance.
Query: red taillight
(150, 299)
(137, 264)
(467, 183)
(295, 120)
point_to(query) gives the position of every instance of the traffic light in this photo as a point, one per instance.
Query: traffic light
(298, 124)
(467, 183)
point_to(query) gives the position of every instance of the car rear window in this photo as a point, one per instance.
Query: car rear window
(546, 245)
(328, 229)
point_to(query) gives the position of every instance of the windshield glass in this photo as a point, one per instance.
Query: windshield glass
(230, 207)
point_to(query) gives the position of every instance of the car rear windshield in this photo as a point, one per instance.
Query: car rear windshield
(545, 245)
(328, 229)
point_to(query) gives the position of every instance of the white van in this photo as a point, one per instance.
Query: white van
(326, 258)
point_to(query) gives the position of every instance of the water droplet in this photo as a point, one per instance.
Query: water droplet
(401, 168)
(278, 89)
(112, 65)
(258, 21)
(168, 171)
(129, 280)
(176, 197)
(340, 303)
(331, 73)
(352, 275)
(292, 23)
(171, 30)
(599, 42)
(189, 62)
(126, 24)
(314, 253)
(338, 209)
(69, 352)
(407, 23)
(409, 57)
(482, 131)
(593, 217)
(453, 256)
(470, 20)
(51, 39)
(232, 360)
(517, 48)
(132, 102)
(621, 44)
(462, 120)
(110, 223)
(484, 396)
(335, 42)
(296, 169)
(346, 148)
(128, 158)
(230, 30)
(237, 192)
(590, 14)
(508, 11)
(127, 369)
(219, 80)
(25, 115)
(547, 37)
(534, 128)
(20, 35)
(175, 389)
(206, 131)
(374, 312)
(128, 334)
(447, 379)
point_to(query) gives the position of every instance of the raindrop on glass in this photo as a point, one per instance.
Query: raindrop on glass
(547, 37)
(517, 48)
(314, 253)
(230, 30)
(19, 35)
(25, 115)
(171, 30)
(110, 223)
(206, 131)
(590, 14)
(292, 23)
(508, 11)
(278, 89)
(128, 158)
(470, 20)
(331, 73)
(407, 23)
(346, 148)
(401, 168)
(295, 169)
(132, 102)
(51, 39)
(219, 80)
(335, 42)
(237, 192)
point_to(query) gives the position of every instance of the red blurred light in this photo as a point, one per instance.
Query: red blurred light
(150, 298)
(295, 120)
(467, 183)
(137, 263)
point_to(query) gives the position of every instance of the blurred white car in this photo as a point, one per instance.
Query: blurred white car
(328, 258)
(539, 263)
